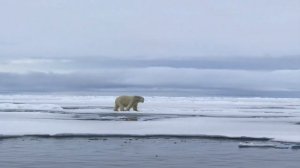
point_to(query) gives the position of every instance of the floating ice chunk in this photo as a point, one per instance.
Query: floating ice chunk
(251, 144)
(260, 145)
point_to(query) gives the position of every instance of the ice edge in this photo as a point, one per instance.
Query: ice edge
(70, 135)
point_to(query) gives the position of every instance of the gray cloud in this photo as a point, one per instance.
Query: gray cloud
(229, 63)
(237, 82)
(214, 47)
(150, 28)
(95, 64)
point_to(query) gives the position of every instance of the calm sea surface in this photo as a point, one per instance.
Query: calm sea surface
(139, 152)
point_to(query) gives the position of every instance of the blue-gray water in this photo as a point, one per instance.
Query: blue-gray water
(32, 152)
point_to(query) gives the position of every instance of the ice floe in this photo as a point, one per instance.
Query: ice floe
(271, 118)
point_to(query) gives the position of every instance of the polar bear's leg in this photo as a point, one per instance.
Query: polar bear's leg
(128, 108)
(116, 107)
(135, 107)
(122, 108)
(130, 104)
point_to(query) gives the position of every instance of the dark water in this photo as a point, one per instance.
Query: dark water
(139, 152)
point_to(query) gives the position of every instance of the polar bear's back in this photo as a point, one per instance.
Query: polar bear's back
(124, 100)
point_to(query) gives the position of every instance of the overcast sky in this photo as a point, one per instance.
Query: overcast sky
(214, 47)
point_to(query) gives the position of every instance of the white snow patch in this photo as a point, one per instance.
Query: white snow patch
(274, 118)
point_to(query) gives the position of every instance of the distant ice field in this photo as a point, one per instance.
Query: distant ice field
(274, 119)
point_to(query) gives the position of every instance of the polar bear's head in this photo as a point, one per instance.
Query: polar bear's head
(139, 99)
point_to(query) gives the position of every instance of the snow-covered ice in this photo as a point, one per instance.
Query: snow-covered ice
(262, 145)
(274, 118)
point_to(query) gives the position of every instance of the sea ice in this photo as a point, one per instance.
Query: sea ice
(273, 118)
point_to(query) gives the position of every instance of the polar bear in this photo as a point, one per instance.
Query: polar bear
(128, 102)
